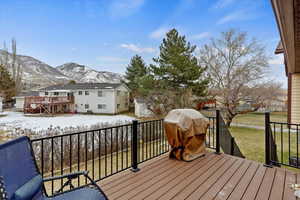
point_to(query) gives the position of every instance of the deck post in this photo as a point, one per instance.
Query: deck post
(267, 140)
(218, 131)
(134, 147)
(232, 146)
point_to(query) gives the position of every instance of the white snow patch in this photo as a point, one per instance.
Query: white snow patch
(15, 120)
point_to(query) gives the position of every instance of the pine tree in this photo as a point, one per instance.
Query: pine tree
(7, 84)
(134, 72)
(178, 69)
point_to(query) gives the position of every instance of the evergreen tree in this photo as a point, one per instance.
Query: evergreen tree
(178, 70)
(7, 84)
(135, 71)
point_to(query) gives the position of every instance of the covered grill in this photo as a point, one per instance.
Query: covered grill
(186, 131)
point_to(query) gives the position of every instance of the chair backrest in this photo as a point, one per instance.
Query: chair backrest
(17, 164)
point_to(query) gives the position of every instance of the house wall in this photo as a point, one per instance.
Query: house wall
(141, 110)
(108, 101)
(51, 94)
(122, 99)
(92, 99)
(19, 106)
(295, 98)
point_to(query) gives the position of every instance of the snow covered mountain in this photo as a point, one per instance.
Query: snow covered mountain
(83, 74)
(38, 74)
(35, 72)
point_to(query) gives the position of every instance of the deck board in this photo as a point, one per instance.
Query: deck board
(219, 177)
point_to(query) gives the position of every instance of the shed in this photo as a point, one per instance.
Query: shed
(141, 109)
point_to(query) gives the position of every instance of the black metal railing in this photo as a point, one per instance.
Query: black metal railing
(103, 152)
(281, 143)
(107, 151)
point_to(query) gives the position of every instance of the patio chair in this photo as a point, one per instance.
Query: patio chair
(20, 179)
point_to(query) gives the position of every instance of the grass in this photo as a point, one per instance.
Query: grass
(258, 119)
(2, 138)
(252, 144)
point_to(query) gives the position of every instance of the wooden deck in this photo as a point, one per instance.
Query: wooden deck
(211, 177)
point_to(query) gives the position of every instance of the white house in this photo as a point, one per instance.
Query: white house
(1, 104)
(106, 98)
(140, 108)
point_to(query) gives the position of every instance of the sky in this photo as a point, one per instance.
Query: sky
(105, 34)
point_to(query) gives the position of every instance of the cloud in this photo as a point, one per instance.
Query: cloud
(223, 3)
(277, 60)
(201, 36)
(159, 33)
(135, 48)
(125, 8)
(240, 15)
(111, 59)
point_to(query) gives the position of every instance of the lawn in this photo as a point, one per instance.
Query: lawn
(252, 144)
(258, 119)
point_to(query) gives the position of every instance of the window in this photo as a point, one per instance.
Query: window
(118, 106)
(100, 94)
(79, 92)
(86, 93)
(46, 93)
(56, 93)
(118, 92)
(86, 106)
(101, 106)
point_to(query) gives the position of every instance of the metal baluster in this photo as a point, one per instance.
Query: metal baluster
(62, 159)
(52, 166)
(122, 148)
(99, 153)
(70, 154)
(93, 155)
(78, 157)
(86, 155)
(105, 135)
(117, 151)
(111, 151)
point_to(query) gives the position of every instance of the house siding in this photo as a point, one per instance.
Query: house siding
(19, 106)
(122, 99)
(93, 100)
(295, 98)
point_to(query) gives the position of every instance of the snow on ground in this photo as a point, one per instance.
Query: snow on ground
(16, 120)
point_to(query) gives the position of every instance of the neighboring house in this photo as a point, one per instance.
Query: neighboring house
(288, 20)
(141, 109)
(280, 104)
(20, 99)
(1, 104)
(107, 98)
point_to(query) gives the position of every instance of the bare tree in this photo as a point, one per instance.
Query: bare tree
(237, 66)
(13, 64)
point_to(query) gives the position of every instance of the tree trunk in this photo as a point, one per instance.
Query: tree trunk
(229, 118)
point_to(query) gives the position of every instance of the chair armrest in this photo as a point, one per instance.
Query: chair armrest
(69, 176)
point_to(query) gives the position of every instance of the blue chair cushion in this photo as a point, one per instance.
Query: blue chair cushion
(29, 189)
(80, 194)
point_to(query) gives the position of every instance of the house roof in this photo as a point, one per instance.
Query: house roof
(83, 86)
(279, 49)
(28, 94)
(287, 14)
(140, 100)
